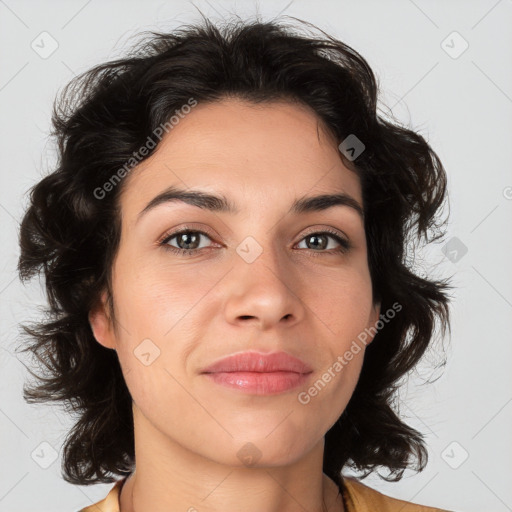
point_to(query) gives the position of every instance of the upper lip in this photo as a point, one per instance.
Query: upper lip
(259, 362)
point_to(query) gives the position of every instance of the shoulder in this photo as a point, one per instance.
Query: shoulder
(358, 497)
(110, 503)
(361, 498)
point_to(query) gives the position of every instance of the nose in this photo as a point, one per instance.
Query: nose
(265, 292)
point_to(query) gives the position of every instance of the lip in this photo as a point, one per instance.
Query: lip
(252, 361)
(259, 373)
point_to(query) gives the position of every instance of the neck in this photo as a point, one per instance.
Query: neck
(169, 477)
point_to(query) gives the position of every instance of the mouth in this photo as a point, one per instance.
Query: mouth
(258, 373)
(259, 383)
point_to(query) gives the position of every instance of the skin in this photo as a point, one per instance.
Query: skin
(311, 302)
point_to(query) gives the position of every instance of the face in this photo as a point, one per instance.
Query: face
(263, 278)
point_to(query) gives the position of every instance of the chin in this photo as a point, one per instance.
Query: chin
(260, 449)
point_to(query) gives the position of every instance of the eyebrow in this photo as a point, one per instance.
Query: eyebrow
(220, 203)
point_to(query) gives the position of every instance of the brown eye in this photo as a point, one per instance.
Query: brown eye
(319, 242)
(187, 241)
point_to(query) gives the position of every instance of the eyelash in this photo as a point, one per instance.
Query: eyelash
(345, 245)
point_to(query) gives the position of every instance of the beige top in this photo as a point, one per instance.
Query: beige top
(357, 497)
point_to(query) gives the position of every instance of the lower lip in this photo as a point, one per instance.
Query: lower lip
(259, 383)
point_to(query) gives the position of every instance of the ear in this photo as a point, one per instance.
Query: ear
(374, 317)
(101, 323)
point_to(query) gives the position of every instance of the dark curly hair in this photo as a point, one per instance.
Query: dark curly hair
(105, 115)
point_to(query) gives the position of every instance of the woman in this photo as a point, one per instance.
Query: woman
(225, 245)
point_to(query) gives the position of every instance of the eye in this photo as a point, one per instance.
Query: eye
(318, 242)
(188, 241)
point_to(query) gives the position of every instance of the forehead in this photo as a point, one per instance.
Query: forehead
(268, 152)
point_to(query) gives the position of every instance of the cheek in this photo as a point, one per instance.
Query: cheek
(341, 300)
(154, 375)
(343, 305)
(330, 391)
(154, 300)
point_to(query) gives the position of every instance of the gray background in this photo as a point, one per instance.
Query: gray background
(461, 102)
